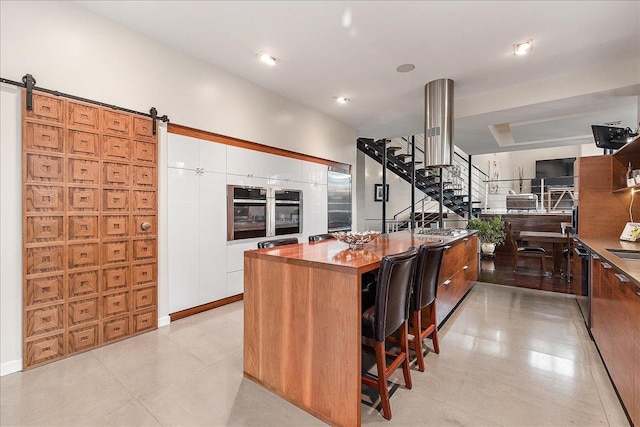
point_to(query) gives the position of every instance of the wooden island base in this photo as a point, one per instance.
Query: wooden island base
(302, 317)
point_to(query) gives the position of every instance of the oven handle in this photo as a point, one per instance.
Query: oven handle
(249, 202)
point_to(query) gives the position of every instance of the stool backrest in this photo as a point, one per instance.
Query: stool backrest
(278, 242)
(320, 237)
(428, 266)
(395, 281)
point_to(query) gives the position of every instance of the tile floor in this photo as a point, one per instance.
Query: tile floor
(509, 356)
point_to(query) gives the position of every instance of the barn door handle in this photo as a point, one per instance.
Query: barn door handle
(145, 225)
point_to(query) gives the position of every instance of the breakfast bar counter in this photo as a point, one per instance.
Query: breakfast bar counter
(302, 315)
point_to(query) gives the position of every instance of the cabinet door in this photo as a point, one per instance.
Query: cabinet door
(624, 339)
(314, 173)
(183, 151)
(635, 313)
(213, 157)
(183, 239)
(282, 168)
(608, 329)
(212, 246)
(245, 162)
(314, 208)
(597, 306)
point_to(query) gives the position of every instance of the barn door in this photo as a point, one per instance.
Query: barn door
(89, 227)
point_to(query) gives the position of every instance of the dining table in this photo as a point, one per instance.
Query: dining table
(557, 239)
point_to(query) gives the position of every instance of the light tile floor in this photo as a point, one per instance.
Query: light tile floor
(509, 356)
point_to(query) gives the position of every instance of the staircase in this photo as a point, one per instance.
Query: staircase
(455, 195)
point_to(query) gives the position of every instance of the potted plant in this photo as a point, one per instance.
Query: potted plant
(490, 232)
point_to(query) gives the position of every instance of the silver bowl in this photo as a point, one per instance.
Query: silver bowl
(356, 239)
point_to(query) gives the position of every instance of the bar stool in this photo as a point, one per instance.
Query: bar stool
(277, 242)
(424, 295)
(389, 314)
(320, 237)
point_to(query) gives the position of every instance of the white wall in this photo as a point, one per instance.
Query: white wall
(71, 50)
(10, 231)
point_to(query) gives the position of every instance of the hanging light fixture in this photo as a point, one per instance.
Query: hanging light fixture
(438, 123)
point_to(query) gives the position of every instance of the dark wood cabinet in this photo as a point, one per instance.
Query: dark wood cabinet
(615, 326)
(458, 272)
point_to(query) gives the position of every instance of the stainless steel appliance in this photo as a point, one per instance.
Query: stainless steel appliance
(262, 212)
(288, 212)
(581, 279)
(338, 199)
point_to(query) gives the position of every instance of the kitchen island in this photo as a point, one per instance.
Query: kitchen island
(302, 315)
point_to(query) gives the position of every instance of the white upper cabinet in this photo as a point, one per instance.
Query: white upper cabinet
(282, 168)
(190, 153)
(314, 173)
(183, 152)
(251, 163)
(241, 161)
(213, 157)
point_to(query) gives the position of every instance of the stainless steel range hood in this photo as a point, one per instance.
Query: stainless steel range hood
(438, 123)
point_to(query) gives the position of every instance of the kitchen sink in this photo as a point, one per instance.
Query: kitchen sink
(626, 254)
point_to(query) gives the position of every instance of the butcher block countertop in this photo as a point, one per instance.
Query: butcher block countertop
(335, 255)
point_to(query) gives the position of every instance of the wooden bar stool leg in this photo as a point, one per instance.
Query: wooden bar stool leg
(417, 341)
(404, 349)
(434, 336)
(381, 362)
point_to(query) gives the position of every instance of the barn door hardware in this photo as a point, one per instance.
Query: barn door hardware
(29, 83)
(154, 116)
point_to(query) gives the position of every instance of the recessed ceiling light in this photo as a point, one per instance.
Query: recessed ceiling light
(341, 99)
(405, 68)
(267, 58)
(523, 48)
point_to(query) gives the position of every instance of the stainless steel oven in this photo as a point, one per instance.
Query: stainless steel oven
(288, 212)
(262, 212)
(246, 212)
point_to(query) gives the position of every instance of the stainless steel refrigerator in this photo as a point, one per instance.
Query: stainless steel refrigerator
(339, 199)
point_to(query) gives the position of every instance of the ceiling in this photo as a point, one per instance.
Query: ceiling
(329, 48)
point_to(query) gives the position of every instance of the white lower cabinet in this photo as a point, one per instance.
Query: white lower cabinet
(197, 244)
(235, 282)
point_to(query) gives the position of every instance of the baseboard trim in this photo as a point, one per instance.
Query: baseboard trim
(204, 307)
(164, 321)
(10, 367)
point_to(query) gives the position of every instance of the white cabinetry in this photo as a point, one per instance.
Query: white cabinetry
(203, 266)
(197, 222)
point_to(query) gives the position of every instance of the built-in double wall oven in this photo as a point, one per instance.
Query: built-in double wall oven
(262, 212)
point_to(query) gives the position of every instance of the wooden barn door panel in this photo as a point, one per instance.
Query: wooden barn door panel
(90, 227)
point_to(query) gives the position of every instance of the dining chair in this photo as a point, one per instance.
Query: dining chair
(389, 314)
(567, 252)
(525, 251)
(424, 296)
(277, 242)
(320, 237)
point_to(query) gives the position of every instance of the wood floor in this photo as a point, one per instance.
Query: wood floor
(499, 270)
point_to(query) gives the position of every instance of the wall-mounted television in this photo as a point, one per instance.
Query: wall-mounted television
(556, 173)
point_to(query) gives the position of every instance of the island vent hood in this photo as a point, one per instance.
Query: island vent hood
(438, 123)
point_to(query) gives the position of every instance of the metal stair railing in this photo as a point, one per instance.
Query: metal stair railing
(457, 174)
(455, 196)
